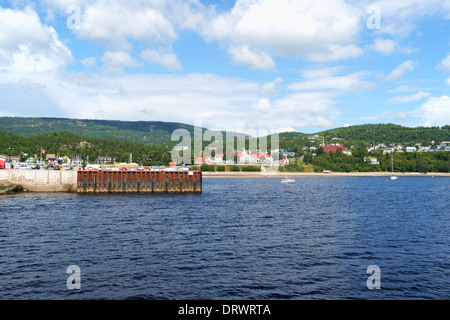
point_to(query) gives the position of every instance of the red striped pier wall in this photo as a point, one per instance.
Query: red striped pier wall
(93, 181)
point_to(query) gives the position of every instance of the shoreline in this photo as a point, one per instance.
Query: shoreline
(279, 175)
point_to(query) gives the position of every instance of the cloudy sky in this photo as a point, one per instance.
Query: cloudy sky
(306, 65)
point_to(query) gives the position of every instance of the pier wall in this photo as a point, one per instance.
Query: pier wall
(42, 180)
(139, 182)
(87, 181)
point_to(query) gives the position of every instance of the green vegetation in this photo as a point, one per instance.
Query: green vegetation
(67, 144)
(359, 162)
(145, 132)
(366, 135)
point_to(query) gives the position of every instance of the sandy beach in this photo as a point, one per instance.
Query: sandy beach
(316, 175)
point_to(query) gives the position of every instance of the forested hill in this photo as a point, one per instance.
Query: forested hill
(366, 135)
(388, 134)
(67, 144)
(159, 133)
(146, 132)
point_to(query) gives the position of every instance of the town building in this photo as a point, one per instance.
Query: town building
(51, 159)
(333, 148)
(3, 160)
(105, 159)
(77, 161)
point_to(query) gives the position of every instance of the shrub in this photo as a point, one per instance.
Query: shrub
(207, 168)
(251, 169)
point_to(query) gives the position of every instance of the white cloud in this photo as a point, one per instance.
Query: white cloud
(116, 22)
(318, 30)
(330, 80)
(404, 88)
(398, 72)
(168, 97)
(116, 61)
(383, 46)
(243, 55)
(383, 116)
(270, 88)
(415, 97)
(288, 129)
(28, 45)
(89, 62)
(166, 60)
(399, 18)
(444, 65)
(402, 116)
(436, 111)
(315, 109)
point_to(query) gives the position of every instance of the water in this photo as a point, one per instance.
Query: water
(241, 239)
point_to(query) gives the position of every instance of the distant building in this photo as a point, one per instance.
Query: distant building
(243, 157)
(77, 161)
(3, 159)
(387, 150)
(411, 149)
(372, 160)
(105, 159)
(51, 159)
(64, 160)
(284, 162)
(333, 148)
(288, 154)
(13, 159)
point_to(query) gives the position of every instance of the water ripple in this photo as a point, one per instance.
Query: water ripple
(240, 239)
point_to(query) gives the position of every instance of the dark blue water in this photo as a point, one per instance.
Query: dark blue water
(240, 239)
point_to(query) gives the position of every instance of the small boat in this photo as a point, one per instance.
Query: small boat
(288, 181)
(393, 176)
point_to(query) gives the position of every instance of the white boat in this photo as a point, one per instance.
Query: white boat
(288, 181)
(393, 176)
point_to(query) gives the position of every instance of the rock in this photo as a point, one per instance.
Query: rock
(9, 188)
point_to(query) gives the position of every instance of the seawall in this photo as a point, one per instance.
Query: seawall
(139, 182)
(41, 180)
(89, 181)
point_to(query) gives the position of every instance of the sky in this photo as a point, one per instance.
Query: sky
(277, 65)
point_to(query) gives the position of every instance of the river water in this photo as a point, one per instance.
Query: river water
(249, 239)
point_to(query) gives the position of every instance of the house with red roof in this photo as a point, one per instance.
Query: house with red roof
(334, 148)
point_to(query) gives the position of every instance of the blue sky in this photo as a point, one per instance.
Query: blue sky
(299, 65)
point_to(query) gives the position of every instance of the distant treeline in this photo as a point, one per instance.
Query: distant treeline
(359, 161)
(366, 135)
(145, 132)
(70, 145)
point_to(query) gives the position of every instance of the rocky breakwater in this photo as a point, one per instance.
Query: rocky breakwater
(9, 188)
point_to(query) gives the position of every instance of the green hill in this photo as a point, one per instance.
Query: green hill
(157, 133)
(67, 144)
(366, 135)
(147, 132)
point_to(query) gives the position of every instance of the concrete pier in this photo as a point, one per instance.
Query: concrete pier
(41, 180)
(139, 181)
(97, 181)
